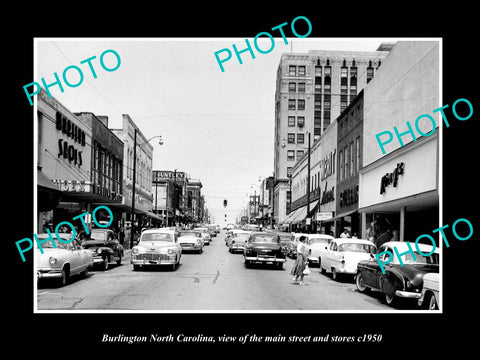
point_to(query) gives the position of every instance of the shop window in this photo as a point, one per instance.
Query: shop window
(382, 227)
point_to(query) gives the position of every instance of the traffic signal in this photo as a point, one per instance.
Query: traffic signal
(225, 202)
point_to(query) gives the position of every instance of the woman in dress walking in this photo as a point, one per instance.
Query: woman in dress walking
(301, 261)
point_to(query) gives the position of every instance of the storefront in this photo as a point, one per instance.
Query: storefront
(399, 198)
(64, 160)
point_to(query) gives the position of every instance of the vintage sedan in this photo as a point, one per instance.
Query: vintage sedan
(285, 238)
(234, 233)
(318, 245)
(157, 247)
(292, 245)
(238, 243)
(190, 240)
(264, 247)
(207, 238)
(343, 255)
(430, 298)
(105, 247)
(64, 260)
(398, 281)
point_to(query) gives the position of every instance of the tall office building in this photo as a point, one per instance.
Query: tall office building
(312, 90)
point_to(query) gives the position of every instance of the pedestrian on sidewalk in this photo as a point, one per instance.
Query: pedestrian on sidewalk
(301, 261)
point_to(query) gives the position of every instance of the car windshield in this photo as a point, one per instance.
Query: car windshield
(420, 259)
(355, 247)
(98, 235)
(201, 229)
(190, 233)
(269, 238)
(58, 244)
(318, 241)
(157, 237)
(286, 237)
(241, 238)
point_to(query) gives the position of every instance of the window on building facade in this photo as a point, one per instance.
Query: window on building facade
(318, 88)
(301, 121)
(317, 131)
(369, 74)
(357, 146)
(301, 104)
(289, 170)
(328, 71)
(301, 70)
(292, 70)
(353, 72)
(318, 105)
(291, 104)
(318, 70)
(353, 91)
(347, 162)
(292, 87)
(343, 72)
(290, 155)
(291, 121)
(300, 138)
(341, 160)
(300, 154)
(352, 159)
(301, 87)
(291, 138)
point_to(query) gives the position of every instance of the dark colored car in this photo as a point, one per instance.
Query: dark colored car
(399, 281)
(264, 247)
(285, 239)
(105, 247)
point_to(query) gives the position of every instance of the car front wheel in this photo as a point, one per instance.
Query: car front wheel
(359, 283)
(390, 299)
(105, 263)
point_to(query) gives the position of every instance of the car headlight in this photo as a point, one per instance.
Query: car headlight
(199, 242)
(52, 260)
(170, 251)
(135, 251)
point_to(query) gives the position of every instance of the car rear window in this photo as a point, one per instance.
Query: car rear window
(265, 238)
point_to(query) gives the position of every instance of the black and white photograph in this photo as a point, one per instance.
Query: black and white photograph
(281, 187)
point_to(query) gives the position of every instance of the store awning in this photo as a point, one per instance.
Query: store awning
(44, 181)
(339, 216)
(290, 216)
(154, 216)
(302, 214)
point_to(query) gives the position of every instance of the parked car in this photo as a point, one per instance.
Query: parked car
(238, 243)
(398, 281)
(205, 234)
(157, 247)
(318, 245)
(430, 298)
(265, 248)
(343, 255)
(190, 240)
(105, 247)
(292, 245)
(64, 260)
(234, 233)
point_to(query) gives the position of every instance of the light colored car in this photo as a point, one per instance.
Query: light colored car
(317, 243)
(64, 260)
(343, 255)
(207, 238)
(238, 243)
(190, 240)
(233, 234)
(430, 298)
(156, 247)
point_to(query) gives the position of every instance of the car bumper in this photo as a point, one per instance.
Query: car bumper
(313, 260)
(407, 294)
(153, 259)
(97, 260)
(49, 273)
(190, 247)
(346, 271)
(265, 259)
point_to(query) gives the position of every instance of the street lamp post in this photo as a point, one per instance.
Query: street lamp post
(132, 211)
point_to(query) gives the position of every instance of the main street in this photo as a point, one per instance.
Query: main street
(213, 280)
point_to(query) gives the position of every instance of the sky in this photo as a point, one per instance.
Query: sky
(216, 126)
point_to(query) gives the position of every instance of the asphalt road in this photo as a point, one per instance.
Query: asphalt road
(213, 280)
